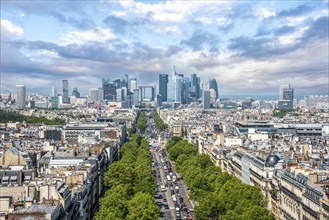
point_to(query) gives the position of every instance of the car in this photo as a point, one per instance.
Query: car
(165, 206)
(164, 199)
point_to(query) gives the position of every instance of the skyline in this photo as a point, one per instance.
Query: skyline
(249, 47)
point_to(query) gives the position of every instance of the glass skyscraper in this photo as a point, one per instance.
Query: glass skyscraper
(195, 86)
(65, 91)
(213, 85)
(174, 88)
(163, 81)
(109, 90)
(21, 96)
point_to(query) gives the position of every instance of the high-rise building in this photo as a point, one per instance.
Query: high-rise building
(163, 81)
(21, 96)
(213, 85)
(206, 99)
(195, 86)
(286, 96)
(132, 84)
(135, 98)
(76, 92)
(281, 91)
(95, 95)
(65, 91)
(109, 90)
(186, 87)
(53, 91)
(174, 88)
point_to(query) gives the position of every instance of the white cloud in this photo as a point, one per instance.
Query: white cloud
(169, 11)
(169, 30)
(10, 29)
(292, 38)
(203, 20)
(263, 13)
(223, 22)
(93, 35)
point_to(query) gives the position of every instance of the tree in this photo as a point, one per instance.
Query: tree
(142, 207)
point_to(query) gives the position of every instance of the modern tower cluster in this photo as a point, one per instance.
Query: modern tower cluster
(172, 89)
(184, 90)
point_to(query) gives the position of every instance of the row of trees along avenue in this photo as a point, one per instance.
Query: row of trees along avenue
(219, 194)
(161, 126)
(141, 123)
(130, 183)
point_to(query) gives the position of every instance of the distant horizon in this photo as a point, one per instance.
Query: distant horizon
(249, 47)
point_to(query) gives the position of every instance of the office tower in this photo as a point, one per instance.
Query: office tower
(119, 95)
(195, 86)
(132, 84)
(76, 92)
(206, 99)
(174, 88)
(53, 91)
(288, 94)
(186, 87)
(281, 91)
(54, 101)
(117, 83)
(286, 97)
(213, 85)
(95, 95)
(65, 91)
(163, 81)
(109, 90)
(21, 96)
(135, 98)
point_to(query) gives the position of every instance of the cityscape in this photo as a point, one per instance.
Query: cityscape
(167, 110)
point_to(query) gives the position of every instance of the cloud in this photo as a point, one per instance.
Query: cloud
(82, 37)
(170, 30)
(67, 12)
(10, 29)
(263, 13)
(203, 20)
(116, 24)
(297, 11)
(200, 39)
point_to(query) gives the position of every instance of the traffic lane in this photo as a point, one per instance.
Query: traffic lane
(168, 214)
(182, 192)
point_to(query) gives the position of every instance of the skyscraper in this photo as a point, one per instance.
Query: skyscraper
(281, 90)
(206, 99)
(132, 84)
(286, 97)
(213, 85)
(65, 91)
(186, 87)
(76, 92)
(53, 91)
(21, 96)
(174, 88)
(195, 85)
(163, 81)
(95, 95)
(109, 90)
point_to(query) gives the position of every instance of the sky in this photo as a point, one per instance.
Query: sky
(249, 47)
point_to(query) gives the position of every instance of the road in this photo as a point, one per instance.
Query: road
(182, 207)
(170, 194)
